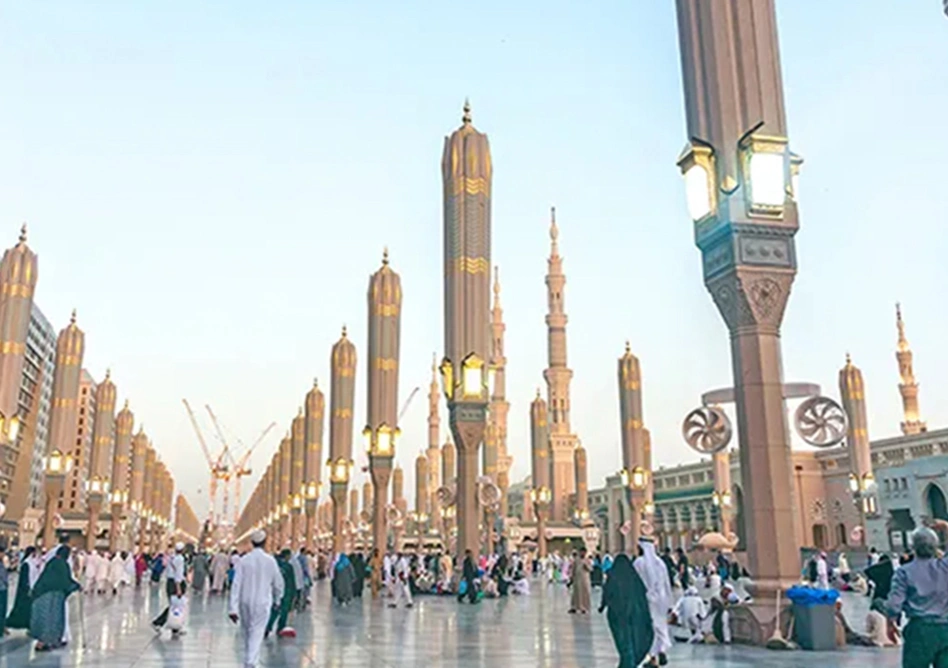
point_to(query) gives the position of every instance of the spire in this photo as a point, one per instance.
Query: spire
(849, 360)
(72, 318)
(108, 374)
(345, 332)
(903, 342)
(466, 117)
(23, 234)
(385, 256)
(496, 287)
(554, 233)
(315, 383)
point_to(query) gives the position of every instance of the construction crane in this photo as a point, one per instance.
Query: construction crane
(217, 473)
(221, 465)
(240, 468)
(407, 403)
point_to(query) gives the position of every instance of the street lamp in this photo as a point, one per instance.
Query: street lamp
(473, 384)
(766, 164)
(721, 499)
(541, 497)
(339, 470)
(697, 165)
(97, 485)
(311, 491)
(57, 464)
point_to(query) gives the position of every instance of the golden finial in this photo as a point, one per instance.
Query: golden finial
(849, 360)
(315, 383)
(385, 256)
(72, 318)
(554, 230)
(538, 392)
(126, 404)
(108, 373)
(628, 347)
(466, 118)
(344, 332)
(23, 234)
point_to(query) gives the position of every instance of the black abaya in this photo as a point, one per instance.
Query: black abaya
(630, 622)
(19, 617)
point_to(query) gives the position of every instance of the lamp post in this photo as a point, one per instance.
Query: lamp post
(56, 466)
(540, 497)
(97, 490)
(380, 447)
(635, 483)
(467, 406)
(339, 472)
(739, 177)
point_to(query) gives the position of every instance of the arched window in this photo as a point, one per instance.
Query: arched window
(840, 534)
(935, 498)
(819, 536)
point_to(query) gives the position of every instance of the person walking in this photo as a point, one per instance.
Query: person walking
(468, 575)
(200, 569)
(48, 622)
(281, 611)
(920, 592)
(580, 600)
(654, 574)
(624, 597)
(175, 587)
(27, 575)
(258, 584)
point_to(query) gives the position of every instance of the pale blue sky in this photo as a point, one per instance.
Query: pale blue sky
(211, 185)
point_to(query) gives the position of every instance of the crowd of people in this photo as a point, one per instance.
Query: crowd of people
(649, 600)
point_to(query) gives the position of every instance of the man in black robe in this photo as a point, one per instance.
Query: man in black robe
(630, 622)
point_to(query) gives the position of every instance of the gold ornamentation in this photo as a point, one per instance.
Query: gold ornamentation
(387, 310)
(384, 364)
(470, 265)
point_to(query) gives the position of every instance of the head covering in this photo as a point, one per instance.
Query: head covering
(654, 574)
(179, 547)
(691, 591)
(258, 537)
(342, 561)
(626, 597)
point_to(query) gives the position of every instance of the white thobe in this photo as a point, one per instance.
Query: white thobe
(102, 568)
(257, 584)
(822, 574)
(401, 590)
(129, 575)
(218, 571)
(690, 611)
(116, 571)
(90, 569)
(654, 574)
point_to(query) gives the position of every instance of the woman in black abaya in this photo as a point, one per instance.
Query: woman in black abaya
(629, 619)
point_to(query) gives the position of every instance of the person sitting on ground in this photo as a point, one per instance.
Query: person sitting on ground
(690, 612)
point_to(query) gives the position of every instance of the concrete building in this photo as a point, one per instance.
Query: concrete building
(40, 364)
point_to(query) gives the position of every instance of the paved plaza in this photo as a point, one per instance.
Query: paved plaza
(513, 632)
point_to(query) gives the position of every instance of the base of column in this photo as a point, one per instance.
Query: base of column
(753, 623)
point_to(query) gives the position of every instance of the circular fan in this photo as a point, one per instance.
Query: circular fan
(820, 421)
(707, 430)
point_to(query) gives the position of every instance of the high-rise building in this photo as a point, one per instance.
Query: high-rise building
(72, 503)
(40, 363)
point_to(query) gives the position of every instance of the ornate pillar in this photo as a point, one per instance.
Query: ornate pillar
(540, 495)
(102, 438)
(297, 488)
(342, 401)
(862, 482)
(466, 172)
(313, 462)
(636, 474)
(738, 170)
(124, 423)
(721, 466)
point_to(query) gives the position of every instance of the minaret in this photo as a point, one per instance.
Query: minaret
(381, 429)
(297, 461)
(124, 423)
(540, 460)
(635, 447)
(103, 437)
(499, 406)
(18, 275)
(853, 393)
(342, 400)
(63, 421)
(466, 171)
(422, 497)
(313, 465)
(558, 376)
(908, 387)
(434, 450)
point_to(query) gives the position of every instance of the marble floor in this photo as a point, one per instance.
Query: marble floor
(514, 632)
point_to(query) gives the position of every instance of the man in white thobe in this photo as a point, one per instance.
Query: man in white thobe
(822, 572)
(658, 588)
(116, 572)
(90, 568)
(401, 590)
(258, 584)
(101, 572)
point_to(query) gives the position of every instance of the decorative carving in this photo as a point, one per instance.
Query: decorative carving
(707, 430)
(765, 295)
(718, 258)
(765, 252)
(821, 422)
(751, 298)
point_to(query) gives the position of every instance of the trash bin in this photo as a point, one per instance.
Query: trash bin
(814, 617)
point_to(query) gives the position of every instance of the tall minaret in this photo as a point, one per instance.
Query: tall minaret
(120, 473)
(499, 407)
(908, 387)
(103, 439)
(558, 376)
(636, 446)
(18, 274)
(433, 453)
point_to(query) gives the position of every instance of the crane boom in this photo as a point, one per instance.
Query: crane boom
(220, 434)
(407, 403)
(200, 436)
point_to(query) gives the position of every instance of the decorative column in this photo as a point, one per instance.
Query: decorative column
(121, 462)
(103, 435)
(381, 431)
(636, 476)
(581, 510)
(449, 480)
(862, 482)
(422, 497)
(297, 489)
(399, 503)
(70, 347)
(466, 172)
(136, 488)
(739, 176)
(312, 468)
(284, 494)
(721, 496)
(148, 484)
(19, 272)
(540, 494)
(341, 402)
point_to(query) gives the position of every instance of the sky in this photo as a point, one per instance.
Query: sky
(210, 185)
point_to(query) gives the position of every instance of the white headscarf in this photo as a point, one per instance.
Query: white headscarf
(654, 574)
